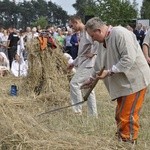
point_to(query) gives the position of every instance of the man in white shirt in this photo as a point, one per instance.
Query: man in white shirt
(83, 63)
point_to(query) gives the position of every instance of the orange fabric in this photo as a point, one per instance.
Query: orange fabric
(43, 42)
(127, 115)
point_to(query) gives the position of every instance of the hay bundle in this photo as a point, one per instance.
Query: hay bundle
(45, 87)
(47, 75)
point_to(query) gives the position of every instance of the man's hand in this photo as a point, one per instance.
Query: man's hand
(104, 74)
(91, 82)
(87, 84)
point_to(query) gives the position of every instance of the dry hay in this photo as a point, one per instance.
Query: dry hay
(47, 75)
(21, 129)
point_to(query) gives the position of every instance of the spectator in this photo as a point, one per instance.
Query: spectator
(68, 45)
(19, 66)
(4, 64)
(139, 33)
(145, 30)
(28, 34)
(60, 38)
(12, 45)
(3, 42)
(75, 44)
(35, 34)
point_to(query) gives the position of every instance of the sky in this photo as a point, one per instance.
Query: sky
(139, 3)
(67, 5)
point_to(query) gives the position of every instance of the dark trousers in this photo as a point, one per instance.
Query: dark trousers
(74, 52)
(11, 54)
(68, 50)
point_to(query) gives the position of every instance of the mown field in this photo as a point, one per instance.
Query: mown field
(22, 129)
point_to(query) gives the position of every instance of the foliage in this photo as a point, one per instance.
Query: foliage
(42, 21)
(145, 9)
(112, 11)
(80, 7)
(26, 13)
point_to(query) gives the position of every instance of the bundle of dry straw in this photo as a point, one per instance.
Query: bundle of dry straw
(47, 75)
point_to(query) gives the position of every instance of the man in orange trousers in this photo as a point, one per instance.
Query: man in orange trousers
(126, 74)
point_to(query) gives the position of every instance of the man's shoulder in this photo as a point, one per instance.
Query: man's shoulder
(119, 30)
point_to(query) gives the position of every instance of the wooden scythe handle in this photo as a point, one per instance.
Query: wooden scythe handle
(93, 85)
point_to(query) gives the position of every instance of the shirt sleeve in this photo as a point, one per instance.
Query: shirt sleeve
(126, 47)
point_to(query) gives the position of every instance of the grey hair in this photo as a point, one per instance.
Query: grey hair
(94, 23)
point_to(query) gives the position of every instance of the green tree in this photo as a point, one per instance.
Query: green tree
(80, 7)
(40, 8)
(112, 11)
(26, 13)
(8, 13)
(42, 21)
(56, 15)
(145, 9)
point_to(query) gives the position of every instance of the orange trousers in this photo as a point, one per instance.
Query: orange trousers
(127, 115)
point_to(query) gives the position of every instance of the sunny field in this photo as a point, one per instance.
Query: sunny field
(22, 129)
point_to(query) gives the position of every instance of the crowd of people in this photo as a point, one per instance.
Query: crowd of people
(142, 34)
(13, 46)
(13, 41)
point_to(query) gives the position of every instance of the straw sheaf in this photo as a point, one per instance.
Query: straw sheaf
(47, 75)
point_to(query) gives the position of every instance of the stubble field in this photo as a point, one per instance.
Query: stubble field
(22, 129)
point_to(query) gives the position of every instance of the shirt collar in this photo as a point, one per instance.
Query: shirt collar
(107, 35)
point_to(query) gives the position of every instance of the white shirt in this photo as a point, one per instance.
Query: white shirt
(19, 69)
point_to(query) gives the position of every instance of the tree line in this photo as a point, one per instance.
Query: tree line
(114, 12)
(29, 13)
(42, 12)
